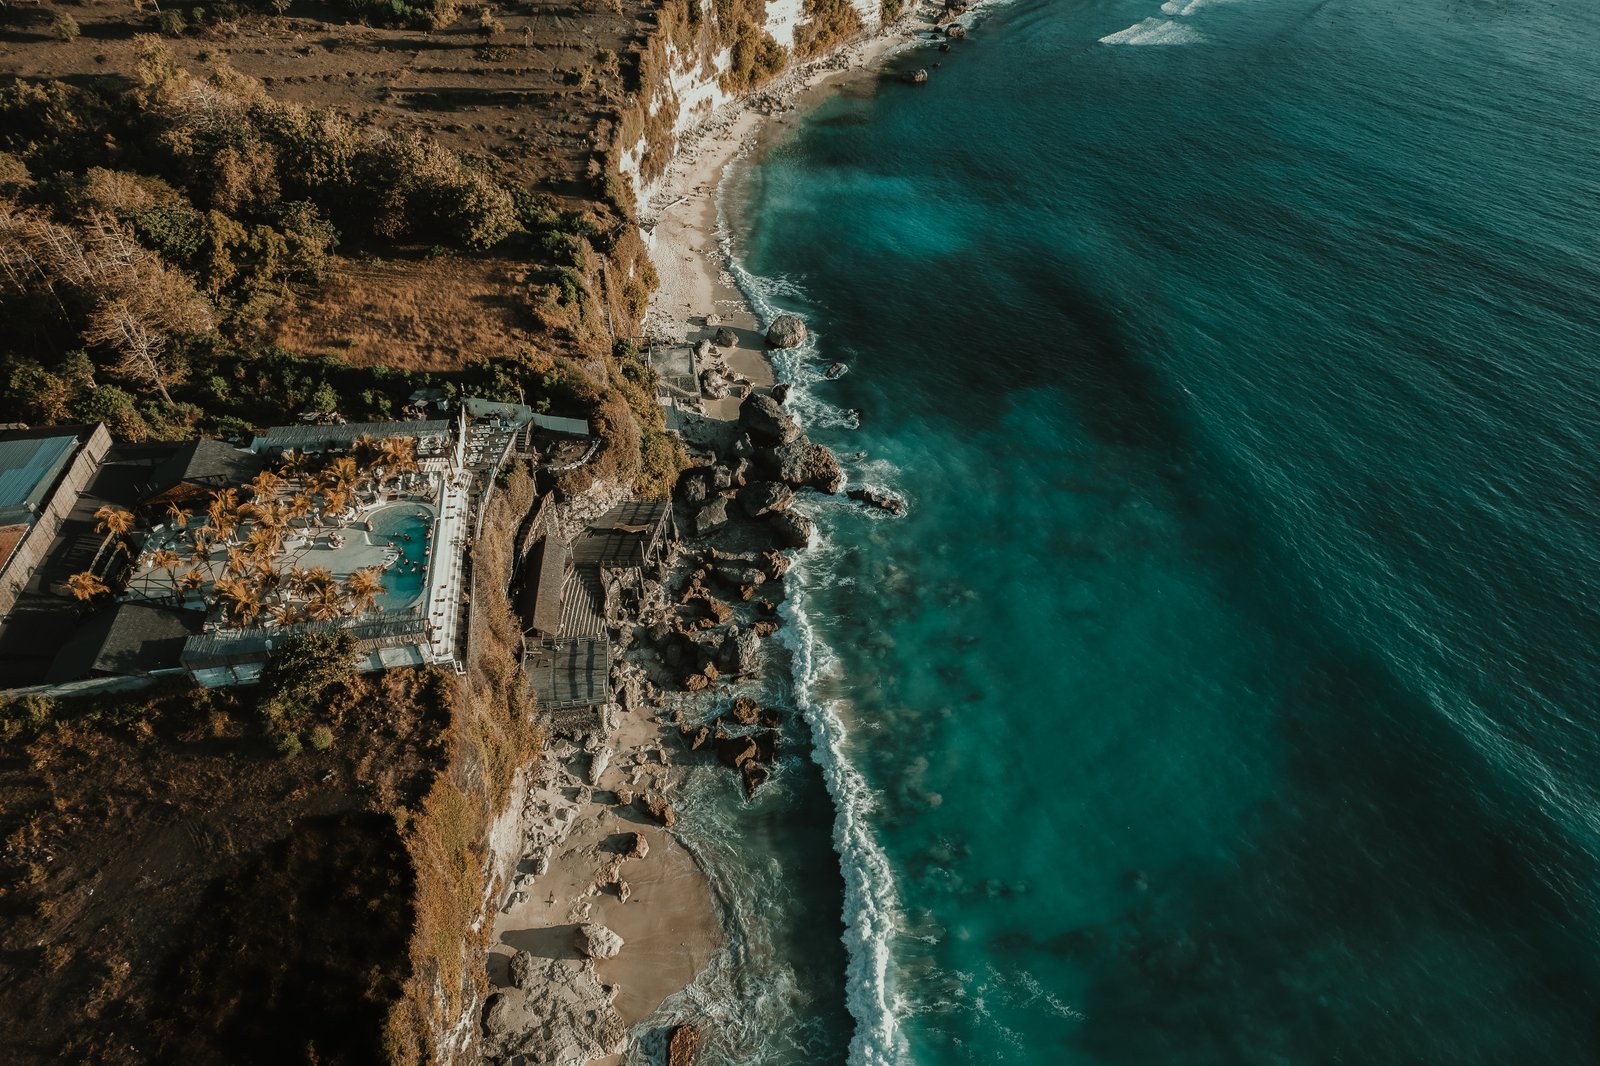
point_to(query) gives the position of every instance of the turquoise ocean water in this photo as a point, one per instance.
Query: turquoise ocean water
(1229, 694)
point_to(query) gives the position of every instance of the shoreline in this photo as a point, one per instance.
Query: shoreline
(590, 858)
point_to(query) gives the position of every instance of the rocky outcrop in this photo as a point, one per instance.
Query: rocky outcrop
(637, 848)
(683, 1046)
(595, 941)
(915, 77)
(763, 497)
(801, 463)
(786, 331)
(766, 421)
(792, 529)
(883, 501)
(955, 31)
(836, 371)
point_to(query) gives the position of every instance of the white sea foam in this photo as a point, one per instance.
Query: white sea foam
(1155, 31)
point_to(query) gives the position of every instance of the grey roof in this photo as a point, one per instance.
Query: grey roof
(540, 602)
(583, 605)
(29, 467)
(318, 437)
(206, 462)
(129, 639)
(521, 414)
(623, 537)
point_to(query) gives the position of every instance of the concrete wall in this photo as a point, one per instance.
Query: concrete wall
(36, 543)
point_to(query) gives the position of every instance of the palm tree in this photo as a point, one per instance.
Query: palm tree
(316, 577)
(193, 581)
(86, 586)
(239, 560)
(178, 516)
(327, 604)
(342, 477)
(264, 541)
(265, 485)
(364, 587)
(168, 560)
(365, 449)
(296, 463)
(114, 521)
(223, 512)
(239, 599)
(284, 614)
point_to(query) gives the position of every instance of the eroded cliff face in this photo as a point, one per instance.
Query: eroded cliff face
(705, 53)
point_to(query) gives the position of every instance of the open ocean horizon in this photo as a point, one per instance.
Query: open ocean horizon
(1229, 693)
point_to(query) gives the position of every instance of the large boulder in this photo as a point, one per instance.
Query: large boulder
(595, 941)
(801, 463)
(711, 516)
(764, 497)
(725, 338)
(792, 528)
(767, 422)
(497, 1014)
(786, 331)
(522, 969)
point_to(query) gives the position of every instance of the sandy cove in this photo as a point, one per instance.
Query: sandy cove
(593, 856)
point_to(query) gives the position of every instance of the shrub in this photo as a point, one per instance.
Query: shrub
(65, 27)
(171, 23)
(287, 745)
(321, 738)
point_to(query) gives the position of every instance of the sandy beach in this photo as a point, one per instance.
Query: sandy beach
(697, 294)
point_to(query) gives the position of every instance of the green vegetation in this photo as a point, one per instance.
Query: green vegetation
(827, 23)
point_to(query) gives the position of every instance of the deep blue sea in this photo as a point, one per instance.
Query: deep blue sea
(1230, 693)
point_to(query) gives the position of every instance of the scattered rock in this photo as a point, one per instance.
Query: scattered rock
(792, 528)
(745, 711)
(883, 501)
(721, 477)
(701, 735)
(725, 338)
(598, 762)
(955, 31)
(754, 775)
(766, 421)
(623, 891)
(802, 463)
(660, 810)
(786, 331)
(703, 349)
(497, 1014)
(763, 497)
(780, 392)
(944, 47)
(693, 490)
(915, 77)
(638, 849)
(711, 516)
(683, 1046)
(625, 797)
(597, 942)
(522, 970)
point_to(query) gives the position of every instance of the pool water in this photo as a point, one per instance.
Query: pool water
(406, 526)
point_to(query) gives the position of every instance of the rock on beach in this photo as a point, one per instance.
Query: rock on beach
(786, 331)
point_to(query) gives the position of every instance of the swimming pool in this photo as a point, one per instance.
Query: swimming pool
(405, 526)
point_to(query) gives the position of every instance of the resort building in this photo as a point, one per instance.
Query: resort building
(139, 560)
(42, 475)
